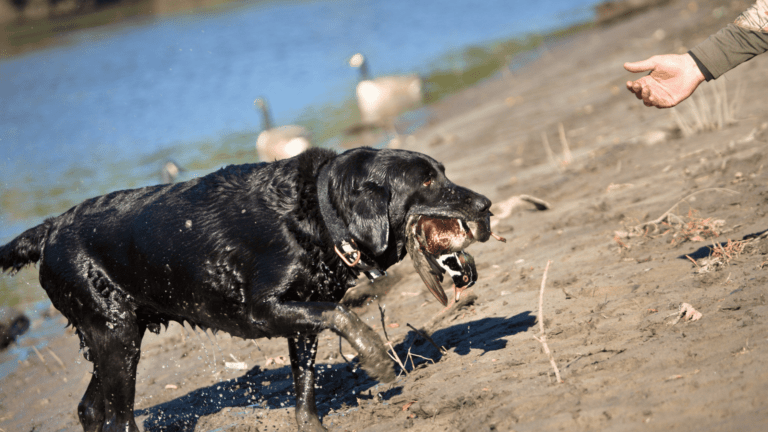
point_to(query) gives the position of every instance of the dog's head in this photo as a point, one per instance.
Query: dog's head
(375, 192)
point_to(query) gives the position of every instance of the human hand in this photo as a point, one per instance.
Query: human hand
(672, 79)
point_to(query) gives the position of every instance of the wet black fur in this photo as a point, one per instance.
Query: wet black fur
(243, 250)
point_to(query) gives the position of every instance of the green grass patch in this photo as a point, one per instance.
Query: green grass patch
(19, 36)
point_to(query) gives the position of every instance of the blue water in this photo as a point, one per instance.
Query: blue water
(41, 330)
(95, 114)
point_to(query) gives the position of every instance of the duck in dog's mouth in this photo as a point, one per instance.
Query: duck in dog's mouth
(436, 246)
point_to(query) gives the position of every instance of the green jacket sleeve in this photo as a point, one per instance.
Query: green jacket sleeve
(728, 48)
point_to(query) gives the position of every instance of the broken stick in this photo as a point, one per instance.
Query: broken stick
(543, 337)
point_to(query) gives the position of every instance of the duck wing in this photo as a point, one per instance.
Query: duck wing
(428, 269)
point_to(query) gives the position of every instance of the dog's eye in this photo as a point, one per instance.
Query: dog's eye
(428, 182)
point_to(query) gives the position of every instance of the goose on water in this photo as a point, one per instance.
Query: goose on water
(382, 99)
(280, 142)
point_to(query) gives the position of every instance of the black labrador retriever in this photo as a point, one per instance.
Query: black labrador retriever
(257, 250)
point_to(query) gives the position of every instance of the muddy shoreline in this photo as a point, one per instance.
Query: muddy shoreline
(613, 291)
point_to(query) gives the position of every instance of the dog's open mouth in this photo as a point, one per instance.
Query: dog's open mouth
(436, 246)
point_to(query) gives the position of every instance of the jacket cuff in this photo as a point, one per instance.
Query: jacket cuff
(710, 57)
(704, 71)
(728, 48)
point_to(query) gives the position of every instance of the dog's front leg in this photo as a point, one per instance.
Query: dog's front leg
(303, 350)
(291, 318)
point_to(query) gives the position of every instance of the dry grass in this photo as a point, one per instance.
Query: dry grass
(708, 109)
(561, 163)
(721, 254)
(681, 228)
(695, 228)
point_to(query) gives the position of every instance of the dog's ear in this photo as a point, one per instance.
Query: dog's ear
(369, 219)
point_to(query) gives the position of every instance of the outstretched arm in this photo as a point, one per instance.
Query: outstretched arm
(672, 79)
(675, 77)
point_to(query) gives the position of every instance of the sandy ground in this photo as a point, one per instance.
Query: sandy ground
(613, 290)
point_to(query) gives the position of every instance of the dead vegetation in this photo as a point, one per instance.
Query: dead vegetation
(542, 337)
(560, 163)
(681, 229)
(722, 254)
(693, 228)
(708, 109)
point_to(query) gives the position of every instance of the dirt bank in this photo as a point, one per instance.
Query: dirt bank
(613, 290)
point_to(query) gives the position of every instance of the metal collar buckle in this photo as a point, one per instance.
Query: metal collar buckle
(350, 255)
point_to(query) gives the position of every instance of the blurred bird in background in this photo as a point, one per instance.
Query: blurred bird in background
(170, 171)
(382, 99)
(280, 142)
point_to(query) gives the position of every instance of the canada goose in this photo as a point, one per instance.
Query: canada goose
(170, 171)
(280, 142)
(382, 99)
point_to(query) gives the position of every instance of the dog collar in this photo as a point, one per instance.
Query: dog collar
(343, 243)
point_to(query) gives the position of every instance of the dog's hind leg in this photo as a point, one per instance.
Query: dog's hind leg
(114, 348)
(110, 333)
(302, 350)
(91, 407)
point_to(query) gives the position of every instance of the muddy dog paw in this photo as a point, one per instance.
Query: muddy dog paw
(374, 359)
(376, 362)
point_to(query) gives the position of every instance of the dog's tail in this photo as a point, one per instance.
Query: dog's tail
(24, 249)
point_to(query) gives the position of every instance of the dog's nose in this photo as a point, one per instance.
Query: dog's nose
(481, 204)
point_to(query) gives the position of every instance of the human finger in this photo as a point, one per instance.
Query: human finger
(640, 66)
(631, 87)
(637, 87)
(646, 93)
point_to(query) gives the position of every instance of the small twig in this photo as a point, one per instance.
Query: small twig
(395, 357)
(574, 360)
(55, 357)
(340, 352)
(42, 359)
(266, 359)
(39, 354)
(383, 327)
(564, 142)
(667, 213)
(410, 357)
(622, 245)
(429, 339)
(541, 297)
(433, 362)
(543, 338)
(693, 261)
(236, 365)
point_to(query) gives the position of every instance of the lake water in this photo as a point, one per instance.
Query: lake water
(104, 110)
